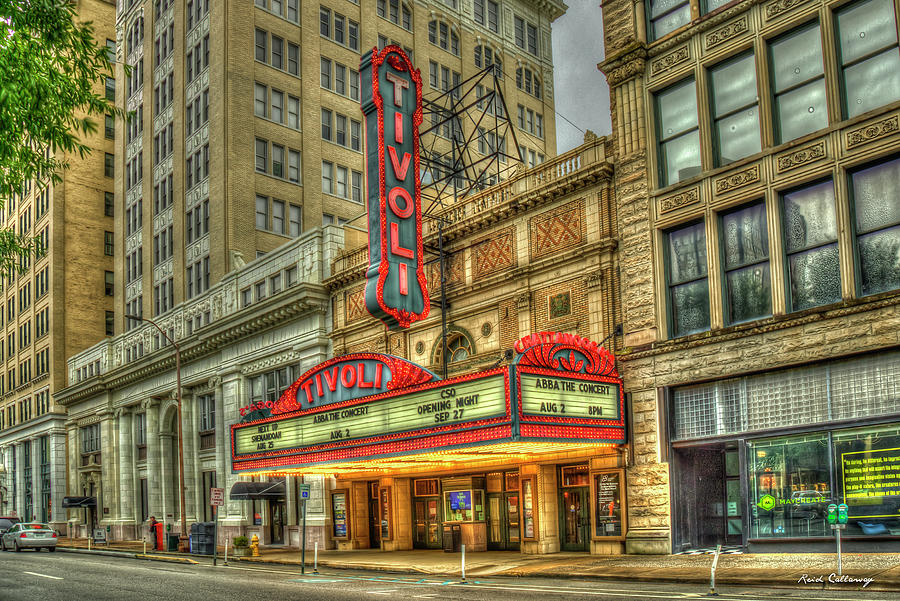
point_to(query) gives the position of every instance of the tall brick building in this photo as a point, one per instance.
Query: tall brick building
(62, 303)
(247, 121)
(756, 153)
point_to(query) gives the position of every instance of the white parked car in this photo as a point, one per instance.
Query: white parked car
(29, 535)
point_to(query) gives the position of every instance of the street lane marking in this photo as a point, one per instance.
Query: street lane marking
(388, 592)
(43, 575)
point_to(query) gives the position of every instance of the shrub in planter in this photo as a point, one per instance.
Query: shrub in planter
(241, 546)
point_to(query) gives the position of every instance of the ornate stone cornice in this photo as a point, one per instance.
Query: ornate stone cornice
(801, 156)
(772, 324)
(285, 358)
(312, 300)
(625, 66)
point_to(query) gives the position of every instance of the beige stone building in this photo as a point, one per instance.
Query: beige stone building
(534, 254)
(755, 145)
(62, 303)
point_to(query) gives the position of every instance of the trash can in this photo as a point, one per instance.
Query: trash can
(172, 542)
(202, 538)
(451, 538)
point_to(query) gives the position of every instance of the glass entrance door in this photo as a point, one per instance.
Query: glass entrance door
(573, 504)
(503, 521)
(374, 524)
(276, 522)
(428, 523)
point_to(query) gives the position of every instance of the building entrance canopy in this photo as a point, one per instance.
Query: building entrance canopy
(371, 412)
(257, 491)
(72, 502)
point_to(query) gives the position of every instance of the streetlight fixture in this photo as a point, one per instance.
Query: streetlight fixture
(182, 538)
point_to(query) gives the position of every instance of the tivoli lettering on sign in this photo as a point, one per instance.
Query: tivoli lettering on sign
(391, 101)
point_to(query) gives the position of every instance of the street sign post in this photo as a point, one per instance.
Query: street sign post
(216, 499)
(303, 489)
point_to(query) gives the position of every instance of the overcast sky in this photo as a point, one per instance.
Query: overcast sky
(580, 90)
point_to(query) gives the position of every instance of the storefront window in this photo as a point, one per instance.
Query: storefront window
(867, 462)
(575, 475)
(789, 480)
(464, 505)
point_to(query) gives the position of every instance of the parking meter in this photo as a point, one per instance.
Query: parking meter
(832, 514)
(842, 513)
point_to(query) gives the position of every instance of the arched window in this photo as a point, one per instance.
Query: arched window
(135, 35)
(528, 81)
(442, 35)
(396, 12)
(485, 56)
(459, 348)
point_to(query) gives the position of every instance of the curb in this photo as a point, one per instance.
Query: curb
(128, 555)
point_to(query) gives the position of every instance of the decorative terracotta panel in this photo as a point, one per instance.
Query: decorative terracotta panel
(558, 229)
(494, 253)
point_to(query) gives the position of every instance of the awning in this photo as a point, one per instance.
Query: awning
(71, 502)
(257, 491)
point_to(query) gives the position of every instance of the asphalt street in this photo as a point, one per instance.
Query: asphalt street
(42, 576)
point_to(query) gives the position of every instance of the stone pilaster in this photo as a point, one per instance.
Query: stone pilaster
(233, 395)
(154, 460)
(127, 500)
(191, 461)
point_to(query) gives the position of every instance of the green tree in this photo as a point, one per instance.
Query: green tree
(49, 65)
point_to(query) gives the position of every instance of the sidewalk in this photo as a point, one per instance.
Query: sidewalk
(771, 570)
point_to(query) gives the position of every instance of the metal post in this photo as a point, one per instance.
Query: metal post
(215, 533)
(90, 538)
(303, 542)
(145, 546)
(463, 549)
(182, 545)
(226, 551)
(712, 574)
(316, 558)
(838, 536)
(443, 291)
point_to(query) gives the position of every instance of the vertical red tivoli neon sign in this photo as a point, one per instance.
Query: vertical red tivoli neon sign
(391, 101)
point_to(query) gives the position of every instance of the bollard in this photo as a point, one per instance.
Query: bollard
(316, 558)
(463, 559)
(89, 543)
(712, 573)
(145, 546)
(226, 551)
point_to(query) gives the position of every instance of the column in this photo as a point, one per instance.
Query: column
(108, 501)
(192, 481)
(58, 451)
(127, 502)
(72, 484)
(233, 394)
(154, 460)
(35, 477)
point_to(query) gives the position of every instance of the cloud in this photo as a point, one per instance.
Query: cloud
(580, 89)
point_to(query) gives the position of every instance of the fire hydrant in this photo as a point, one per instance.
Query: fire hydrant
(254, 546)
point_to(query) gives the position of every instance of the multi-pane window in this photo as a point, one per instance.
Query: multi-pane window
(666, 16)
(110, 321)
(196, 113)
(745, 261)
(41, 323)
(810, 245)
(341, 181)
(197, 277)
(163, 296)
(527, 81)
(109, 165)
(339, 78)
(272, 52)
(108, 244)
(90, 438)
(442, 35)
(868, 54)
(109, 283)
(163, 195)
(876, 219)
(262, 155)
(271, 215)
(134, 264)
(487, 12)
(340, 29)
(341, 130)
(735, 109)
(109, 201)
(163, 246)
(207, 409)
(196, 222)
(270, 385)
(688, 289)
(396, 11)
(798, 83)
(525, 35)
(678, 132)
